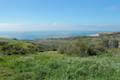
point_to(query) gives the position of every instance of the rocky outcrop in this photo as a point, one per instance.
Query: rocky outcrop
(109, 34)
(112, 39)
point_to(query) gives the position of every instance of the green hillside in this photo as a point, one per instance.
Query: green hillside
(79, 58)
(54, 66)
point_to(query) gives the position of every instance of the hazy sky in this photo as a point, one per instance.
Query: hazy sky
(59, 15)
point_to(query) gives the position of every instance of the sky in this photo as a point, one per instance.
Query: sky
(32, 15)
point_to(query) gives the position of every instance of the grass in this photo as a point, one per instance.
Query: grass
(53, 66)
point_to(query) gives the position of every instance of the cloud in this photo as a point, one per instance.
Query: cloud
(55, 26)
(10, 27)
(35, 27)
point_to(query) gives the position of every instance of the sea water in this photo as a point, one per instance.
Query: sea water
(31, 35)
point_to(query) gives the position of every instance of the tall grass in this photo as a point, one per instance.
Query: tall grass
(54, 66)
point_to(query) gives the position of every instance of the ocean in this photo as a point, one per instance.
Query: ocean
(31, 35)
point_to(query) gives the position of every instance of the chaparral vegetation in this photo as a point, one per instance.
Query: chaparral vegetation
(77, 58)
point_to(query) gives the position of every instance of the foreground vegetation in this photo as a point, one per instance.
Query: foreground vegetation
(79, 58)
(54, 66)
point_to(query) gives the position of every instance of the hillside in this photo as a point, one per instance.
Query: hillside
(79, 58)
(54, 66)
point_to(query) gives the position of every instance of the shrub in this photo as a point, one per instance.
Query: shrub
(18, 48)
(82, 48)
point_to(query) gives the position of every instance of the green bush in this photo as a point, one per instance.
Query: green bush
(18, 48)
(82, 47)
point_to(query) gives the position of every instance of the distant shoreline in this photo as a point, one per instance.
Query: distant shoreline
(52, 34)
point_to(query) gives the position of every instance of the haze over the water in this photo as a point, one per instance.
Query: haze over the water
(39, 15)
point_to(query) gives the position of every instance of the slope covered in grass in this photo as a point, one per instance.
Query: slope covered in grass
(54, 66)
